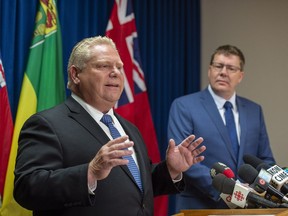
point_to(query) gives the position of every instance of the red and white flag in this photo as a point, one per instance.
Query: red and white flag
(6, 128)
(133, 103)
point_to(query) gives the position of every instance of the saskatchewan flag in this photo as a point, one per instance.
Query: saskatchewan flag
(42, 88)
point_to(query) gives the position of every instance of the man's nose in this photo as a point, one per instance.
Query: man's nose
(115, 71)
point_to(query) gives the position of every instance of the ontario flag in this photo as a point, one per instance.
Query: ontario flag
(133, 103)
(6, 128)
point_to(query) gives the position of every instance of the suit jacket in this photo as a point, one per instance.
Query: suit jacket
(198, 114)
(55, 147)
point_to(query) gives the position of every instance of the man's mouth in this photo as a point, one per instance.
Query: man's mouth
(222, 81)
(112, 85)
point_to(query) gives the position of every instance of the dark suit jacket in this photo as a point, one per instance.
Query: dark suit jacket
(55, 147)
(198, 114)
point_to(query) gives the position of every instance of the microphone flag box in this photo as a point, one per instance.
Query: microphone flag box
(279, 177)
(227, 199)
(239, 195)
(274, 169)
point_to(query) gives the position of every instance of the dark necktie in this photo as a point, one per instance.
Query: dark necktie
(107, 120)
(230, 124)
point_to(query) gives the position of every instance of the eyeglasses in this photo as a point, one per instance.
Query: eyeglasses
(218, 67)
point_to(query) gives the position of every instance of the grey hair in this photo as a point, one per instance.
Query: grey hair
(81, 52)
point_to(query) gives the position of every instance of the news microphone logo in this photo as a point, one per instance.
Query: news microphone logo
(240, 194)
(228, 198)
(274, 170)
(262, 181)
(279, 177)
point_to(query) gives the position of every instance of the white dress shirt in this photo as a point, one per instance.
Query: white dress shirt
(220, 105)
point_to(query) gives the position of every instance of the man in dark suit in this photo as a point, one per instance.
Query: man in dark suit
(203, 114)
(68, 162)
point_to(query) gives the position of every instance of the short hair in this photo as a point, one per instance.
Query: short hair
(229, 50)
(81, 52)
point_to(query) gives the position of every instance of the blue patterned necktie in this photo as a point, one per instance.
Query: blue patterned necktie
(107, 120)
(230, 124)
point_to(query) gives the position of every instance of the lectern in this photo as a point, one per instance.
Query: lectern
(235, 212)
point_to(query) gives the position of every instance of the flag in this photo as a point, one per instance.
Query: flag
(42, 87)
(133, 103)
(6, 129)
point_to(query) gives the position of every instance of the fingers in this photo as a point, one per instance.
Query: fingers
(116, 149)
(198, 159)
(198, 151)
(186, 142)
(191, 143)
(194, 144)
(109, 156)
(118, 144)
(193, 147)
(171, 145)
(119, 140)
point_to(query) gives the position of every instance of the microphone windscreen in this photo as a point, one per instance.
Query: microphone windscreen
(262, 166)
(247, 173)
(228, 173)
(216, 168)
(252, 160)
(223, 184)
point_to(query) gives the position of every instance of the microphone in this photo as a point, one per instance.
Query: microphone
(258, 182)
(240, 195)
(219, 167)
(279, 176)
(255, 162)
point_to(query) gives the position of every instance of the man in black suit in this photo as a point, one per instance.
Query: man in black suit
(69, 164)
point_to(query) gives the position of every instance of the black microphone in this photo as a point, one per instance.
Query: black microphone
(255, 162)
(222, 168)
(219, 167)
(250, 175)
(279, 176)
(241, 195)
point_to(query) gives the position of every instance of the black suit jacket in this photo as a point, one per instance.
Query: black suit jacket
(55, 147)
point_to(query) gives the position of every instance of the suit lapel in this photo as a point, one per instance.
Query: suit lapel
(79, 114)
(212, 110)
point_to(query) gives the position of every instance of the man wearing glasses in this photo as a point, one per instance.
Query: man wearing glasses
(227, 139)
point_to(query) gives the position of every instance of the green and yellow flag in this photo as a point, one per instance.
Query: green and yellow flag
(42, 87)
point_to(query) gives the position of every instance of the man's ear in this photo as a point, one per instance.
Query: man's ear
(74, 73)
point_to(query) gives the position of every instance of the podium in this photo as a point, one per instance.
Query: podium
(238, 212)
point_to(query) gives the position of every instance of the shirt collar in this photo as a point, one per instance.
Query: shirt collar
(95, 113)
(221, 101)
